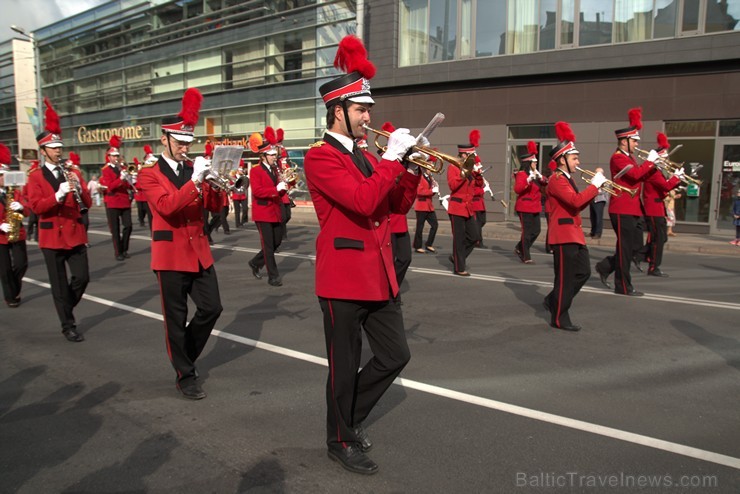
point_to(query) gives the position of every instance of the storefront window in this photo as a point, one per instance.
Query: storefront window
(695, 154)
(729, 128)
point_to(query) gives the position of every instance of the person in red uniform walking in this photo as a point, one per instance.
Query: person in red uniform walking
(527, 183)
(355, 276)
(59, 196)
(465, 231)
(117, 186)
(268, 189)
(624, 210)
(570, 254)
(654, 192)
(13, 254)
(177, 192)
(424, 208)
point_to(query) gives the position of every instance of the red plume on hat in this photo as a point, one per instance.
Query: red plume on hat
(564, 132)
(280, 136)
(532, 147)
(74, 158)
(270, 135)
(136, 161)
(352, 56)
(474, 137)
(209, 149)
(4, 154)
(191, 101)
(115, 141)
(388, 127)
(53, 124)
(552, 165)
(635, 116)
(148, 149)
(255, 142)
(663, 141)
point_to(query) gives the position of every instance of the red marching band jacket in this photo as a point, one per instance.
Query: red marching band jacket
(266, 199)
(60, 225)
(529, 196)
(178, 242)
(462, 190)
(19, 196)
(479, 203)
(354, 260)
(116, 189)
(565, 205)
(656, 188)
(623, 203)
(424, 196)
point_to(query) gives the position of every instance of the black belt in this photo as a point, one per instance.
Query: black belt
(456, 199)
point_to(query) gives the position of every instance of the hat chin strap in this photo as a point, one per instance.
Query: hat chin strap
(346, 119)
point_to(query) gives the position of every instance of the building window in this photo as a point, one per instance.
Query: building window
(443, 30)
(414, 32)
(522, 27)
(595, 23)
(490, 28)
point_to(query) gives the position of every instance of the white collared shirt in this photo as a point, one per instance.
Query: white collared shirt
(345, 141)
(173, 164)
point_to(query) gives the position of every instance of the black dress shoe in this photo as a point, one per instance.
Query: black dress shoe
(275, 282)
(546, 305)
(126, 255)
(462, 273)
(119, 257)
(568, 327)
(73, 335)
(192, 391)
(657, 272)
(636, 263)
(13, 303)
(255, 270)
(634, 293)
(604, 277)
(354, 460)
(365, 443)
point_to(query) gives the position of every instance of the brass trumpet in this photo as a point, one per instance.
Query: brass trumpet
(668, 166)
(611, 188)
(435, 167)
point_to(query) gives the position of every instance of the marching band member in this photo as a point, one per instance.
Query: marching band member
(425, 213)
(74, 162)
(142, 209)
(58, 196)
(570, 254)
(181, 257)
(527, 183)
(355, 280)
(239, 196)
(465, 231)
(221, 217)
(13, 254)
(267, 191)
(479, 204)
(117, 185)
(626, 211)
(286, 203)
(653, 198)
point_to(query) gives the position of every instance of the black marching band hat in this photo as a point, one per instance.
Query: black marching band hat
(566, 142)
(355, 84)
(531, 154)
(470, 147)
(663, 145)
(268, 145)
(182, 126)
(633, 131)
(51, 137)
(115, 143)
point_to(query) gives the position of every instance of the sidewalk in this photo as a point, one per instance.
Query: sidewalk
(682, 242)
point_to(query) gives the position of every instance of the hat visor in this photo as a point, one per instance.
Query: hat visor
(114, 154)
(182, 137)
(54, 145)
(271, 151)
(362, 99)
(635, 137)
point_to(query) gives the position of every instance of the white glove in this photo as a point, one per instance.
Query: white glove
(282, 186)
(445, 201)
(422, 140)
(678, 174)
(16, 206)
(63, 190)
(653, 155)
(399, 142)
(435, 190)
(477, 167)
(418, 155)
(598, 180)
(487, 188)
(531, 177)
(5, 227)
(201, 166)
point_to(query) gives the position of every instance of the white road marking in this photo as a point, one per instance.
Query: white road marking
(550, 418)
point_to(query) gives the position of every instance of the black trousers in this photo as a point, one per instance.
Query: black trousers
(13, 265)
(219, 219)
(625, 226)
(186, 340)
(421, 218)
(652, 252)
(143, 213)
(116, 218)
(286, 215)
(465, 235)
(401, 248)
(480, 221)
(530, 231)
(85, 218)
(241, 211)
(596, 210)
(572, 270)
(548, 248)
(351, 395)
(33, 227)
(271, 236)
(67, 293)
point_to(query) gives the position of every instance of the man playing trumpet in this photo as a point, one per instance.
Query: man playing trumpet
(117, 185)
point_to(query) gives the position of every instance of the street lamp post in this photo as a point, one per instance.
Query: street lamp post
(37, 65)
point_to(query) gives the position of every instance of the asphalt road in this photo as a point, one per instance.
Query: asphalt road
(645, 398)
